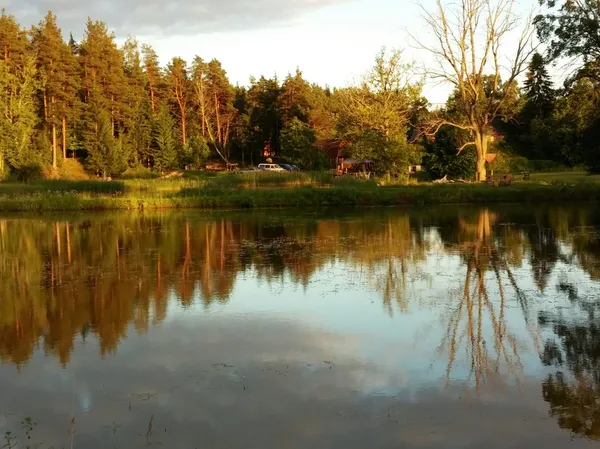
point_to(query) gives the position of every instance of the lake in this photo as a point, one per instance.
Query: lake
(453, 327)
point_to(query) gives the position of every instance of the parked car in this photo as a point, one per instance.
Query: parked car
(270, 167)
(287, 167)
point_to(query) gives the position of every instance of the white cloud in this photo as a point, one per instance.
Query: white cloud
(182, 17)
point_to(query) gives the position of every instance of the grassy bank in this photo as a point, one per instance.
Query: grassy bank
(210, 197)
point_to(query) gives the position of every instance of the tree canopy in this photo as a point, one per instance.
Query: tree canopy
(115, 107)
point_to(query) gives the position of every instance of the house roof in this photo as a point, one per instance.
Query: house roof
(332, 147)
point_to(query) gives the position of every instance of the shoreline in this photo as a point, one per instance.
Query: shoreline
(270, 197)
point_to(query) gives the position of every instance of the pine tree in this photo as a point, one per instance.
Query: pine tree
(294, 100)
(56, 65)
(14, 46)
(164, 140)
(73, 45)
(69, 106)
(322, 111)
(18, 123)
(102, 70)
(105, 155)
(139, 135)
(154, 81)
(18, 86)
(538, 87)
(265, 116)
(213, 99)
(137, 116)
(240, 131)
(179, 87)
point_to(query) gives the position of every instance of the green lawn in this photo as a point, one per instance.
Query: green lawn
(261, 190)
(567, 177)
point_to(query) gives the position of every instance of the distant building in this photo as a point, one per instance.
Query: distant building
(334, 150)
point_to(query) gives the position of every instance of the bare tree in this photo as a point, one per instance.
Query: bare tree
(470, 46)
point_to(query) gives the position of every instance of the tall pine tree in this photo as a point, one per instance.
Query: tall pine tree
(164, 140)
(102, 70)
(539, 91)
(18, 86)
(57, 68)
(179, 88)
(154, 80)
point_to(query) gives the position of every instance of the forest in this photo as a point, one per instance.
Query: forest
(114, 110)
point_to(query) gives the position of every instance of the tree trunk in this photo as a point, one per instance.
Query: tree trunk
(481, 146)
(45, 107)
(64, 136)
(218, 117)
(481, 175)
(183, 131)
(112, 114)
(54, 145)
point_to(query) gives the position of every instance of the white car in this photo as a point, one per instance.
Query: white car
(270, 167)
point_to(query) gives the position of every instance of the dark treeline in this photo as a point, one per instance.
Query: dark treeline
(115, 108)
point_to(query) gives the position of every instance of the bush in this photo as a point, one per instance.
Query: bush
(440, 157)
(32, 172)
(72, 170)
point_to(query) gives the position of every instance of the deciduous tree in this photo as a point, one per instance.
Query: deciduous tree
(375, 115)
(470, 48)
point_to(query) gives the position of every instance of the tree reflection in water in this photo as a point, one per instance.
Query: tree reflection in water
(60, 279)
(573, 391)
(474, 315)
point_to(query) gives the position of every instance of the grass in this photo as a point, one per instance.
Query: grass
(264, 190)
(567, 177)
(61, 187)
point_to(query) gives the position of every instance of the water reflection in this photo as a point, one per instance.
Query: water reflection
(477, 309)
(573, 349)
(504, 287)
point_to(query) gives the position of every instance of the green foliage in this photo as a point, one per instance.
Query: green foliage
(195, 154)
(571, 29)
(391, 157)
(591, 143)
(375, 116)
(18, 87)
(297, 144)
(265, 122)
(441, 156)
(164, 141)
(29, 172)
(115, 107)
(573, 115)
(105, 153)
(539, 92)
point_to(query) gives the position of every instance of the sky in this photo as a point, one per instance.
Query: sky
(333, 42)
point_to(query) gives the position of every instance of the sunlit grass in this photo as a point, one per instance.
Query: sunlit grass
(264, 189)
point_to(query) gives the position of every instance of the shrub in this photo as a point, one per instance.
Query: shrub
(31, 172)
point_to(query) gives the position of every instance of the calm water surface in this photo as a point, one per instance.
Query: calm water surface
(434, 328)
